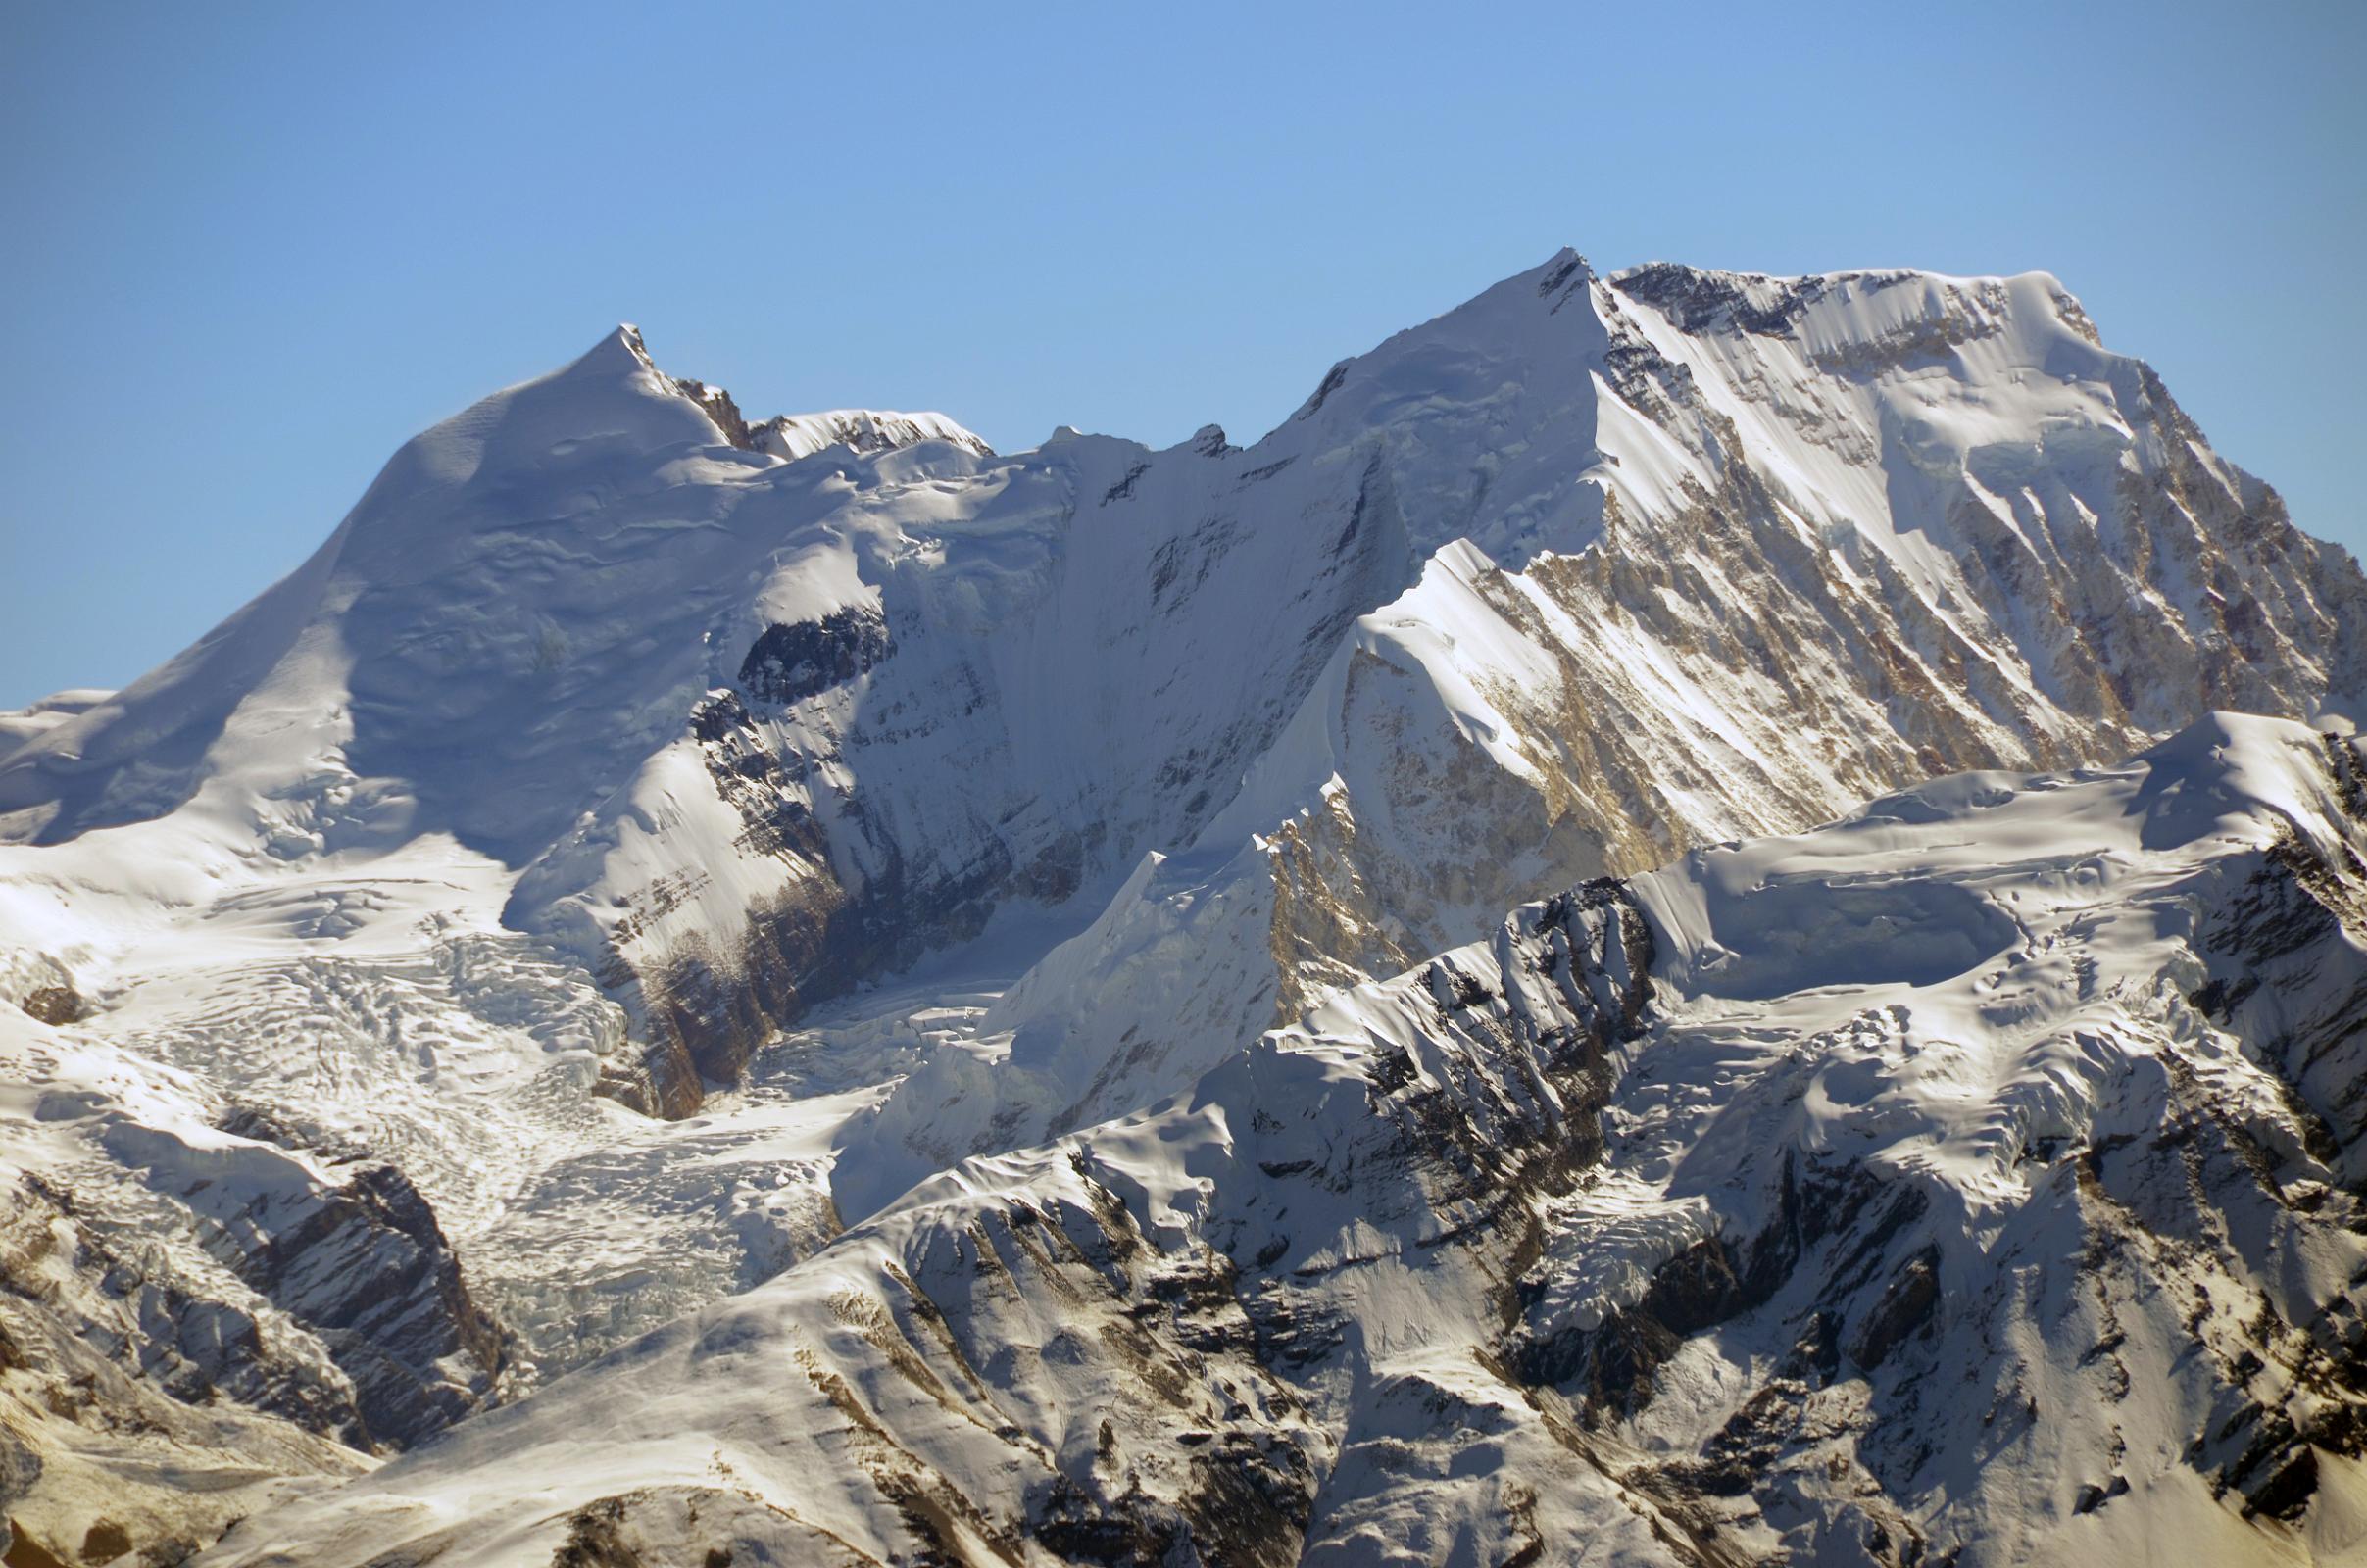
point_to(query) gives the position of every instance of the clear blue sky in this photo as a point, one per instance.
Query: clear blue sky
(248, 250)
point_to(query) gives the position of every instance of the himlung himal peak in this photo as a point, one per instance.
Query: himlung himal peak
(968, 998)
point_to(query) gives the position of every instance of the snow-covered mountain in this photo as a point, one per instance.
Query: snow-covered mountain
(641, 843)
(1973, 1180)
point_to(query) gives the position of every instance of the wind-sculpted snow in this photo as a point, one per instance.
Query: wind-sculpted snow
(662, 839)
(1555, 1250)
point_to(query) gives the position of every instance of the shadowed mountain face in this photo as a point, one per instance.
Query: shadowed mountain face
(853, 801)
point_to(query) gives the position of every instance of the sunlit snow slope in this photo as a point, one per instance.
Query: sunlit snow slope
(641, 843)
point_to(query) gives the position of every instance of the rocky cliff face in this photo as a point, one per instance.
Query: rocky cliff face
(162, 1391)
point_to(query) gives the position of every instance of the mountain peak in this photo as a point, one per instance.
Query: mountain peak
(618, 352)
(1560, 268)
(863, 431)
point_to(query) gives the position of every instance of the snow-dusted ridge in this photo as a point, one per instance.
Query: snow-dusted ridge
(652, 841)
(792, 436)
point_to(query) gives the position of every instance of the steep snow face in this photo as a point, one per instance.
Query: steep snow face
(1702, 556)
(1975, 1179)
